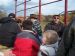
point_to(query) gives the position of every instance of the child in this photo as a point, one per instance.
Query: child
(36, 25)
(26, 43)
(49, 43)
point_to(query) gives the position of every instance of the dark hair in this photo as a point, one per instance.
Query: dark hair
(18, 21)
(12, 15)
(54, 16)
(33, 16)
(27, 25)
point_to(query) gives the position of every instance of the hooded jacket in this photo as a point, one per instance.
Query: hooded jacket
(59, 28)
(8, 30)
(26, 44)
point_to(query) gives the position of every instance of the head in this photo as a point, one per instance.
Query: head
(18, 21)
(27, 25)
(56, 18)
(50, 37)
(33, 16)
(12, 15)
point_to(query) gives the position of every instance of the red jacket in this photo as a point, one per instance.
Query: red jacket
(26, 44)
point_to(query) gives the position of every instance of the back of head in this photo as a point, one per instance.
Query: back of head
(5, 20)
(27, 25)
(18, 21)
(51, 36)
(11, 15)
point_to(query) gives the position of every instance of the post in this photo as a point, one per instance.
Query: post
(24, 9)
(66, 12)
(39, 10)
(15, 8)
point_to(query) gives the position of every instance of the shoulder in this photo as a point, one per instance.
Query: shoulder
(73, 24)
(28, 35)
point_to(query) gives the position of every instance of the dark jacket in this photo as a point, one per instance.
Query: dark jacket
(67, 44)
(26, 44)
(59, 28)
(8, 30)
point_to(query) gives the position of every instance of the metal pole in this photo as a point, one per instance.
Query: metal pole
(25, 9)
(41, 5)
(15, 8)
(66, 12)
(23, 3)
(39, 10)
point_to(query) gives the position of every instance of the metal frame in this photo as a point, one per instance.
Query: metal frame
(66, 12)
(15, 7)
(39, 10)
(19, 5)
(66, 5)
(24, 8)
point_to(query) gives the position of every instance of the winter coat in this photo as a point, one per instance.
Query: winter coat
(8, 31)
(67, 44)
(37, 27)
(48, 50)
(26, 44)
(59, 28)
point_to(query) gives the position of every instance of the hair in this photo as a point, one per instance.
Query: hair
(12, 15)
(51, 36)
(18, 21)
(27, 25)
(55, 16)
(33, 16)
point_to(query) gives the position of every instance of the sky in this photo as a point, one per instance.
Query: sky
(54, 8)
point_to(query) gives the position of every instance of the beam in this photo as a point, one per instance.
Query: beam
(39, 10)
(25, 9)
(15, 8)
(41, 5)
(23, 3)
(66, 12)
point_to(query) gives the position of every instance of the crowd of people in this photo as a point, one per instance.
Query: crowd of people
(27, 38)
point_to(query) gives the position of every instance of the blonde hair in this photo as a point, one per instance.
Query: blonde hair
(51, 36)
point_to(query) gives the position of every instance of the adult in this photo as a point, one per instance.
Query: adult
(56, 25)
(67, 44)
(8, 30)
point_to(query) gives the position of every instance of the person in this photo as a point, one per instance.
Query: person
(49, 43)
(19, 23)
(36, 24)
(67, 44)
(8, 30)
(55, 25)
(26, 43)
(12, 15)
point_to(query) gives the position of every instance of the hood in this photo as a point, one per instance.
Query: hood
(55, 46)
(6, 19)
